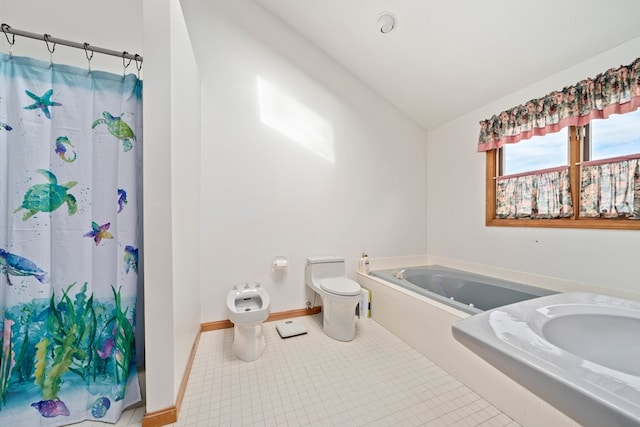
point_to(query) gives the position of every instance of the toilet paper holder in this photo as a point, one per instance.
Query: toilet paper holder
(279, 263)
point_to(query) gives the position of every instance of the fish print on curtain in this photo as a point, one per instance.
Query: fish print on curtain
(70, 156)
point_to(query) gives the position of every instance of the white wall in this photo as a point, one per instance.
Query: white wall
(161, 381)
(456, 202)
(185, 181)
(264, 194)
(171, 200)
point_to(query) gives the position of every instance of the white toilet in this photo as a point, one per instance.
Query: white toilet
(327, 277)
(248, 306)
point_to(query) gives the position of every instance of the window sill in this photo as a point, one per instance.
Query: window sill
(589, 223)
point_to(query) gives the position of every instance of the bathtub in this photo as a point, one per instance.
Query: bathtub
(425, 322)
(579, 351)
(468, 292)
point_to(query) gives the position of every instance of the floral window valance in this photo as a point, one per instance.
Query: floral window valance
(614, 91)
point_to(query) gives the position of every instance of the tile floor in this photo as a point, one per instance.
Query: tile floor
(313, 380)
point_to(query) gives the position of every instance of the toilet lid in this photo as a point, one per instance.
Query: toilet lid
(340, 286)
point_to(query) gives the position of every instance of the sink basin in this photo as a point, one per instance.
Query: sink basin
(578, 351)
(595, 337)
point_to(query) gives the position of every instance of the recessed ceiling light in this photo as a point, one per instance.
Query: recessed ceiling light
(386, 22)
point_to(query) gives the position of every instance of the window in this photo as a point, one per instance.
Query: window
(568, 159)
(549, 180)
(619, 135)
(539, 152)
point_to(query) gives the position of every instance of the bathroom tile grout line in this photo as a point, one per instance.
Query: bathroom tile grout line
(313, 380)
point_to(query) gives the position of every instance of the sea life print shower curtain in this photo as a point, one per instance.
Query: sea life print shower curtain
(70, 168)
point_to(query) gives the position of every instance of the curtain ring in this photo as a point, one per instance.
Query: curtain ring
(138, 64)
(125, 65)
(86, 53)
(6, 27)
(46, 38)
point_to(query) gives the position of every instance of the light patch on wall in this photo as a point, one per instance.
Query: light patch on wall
(295, 120)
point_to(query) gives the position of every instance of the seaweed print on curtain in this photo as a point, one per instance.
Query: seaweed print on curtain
(70, 144)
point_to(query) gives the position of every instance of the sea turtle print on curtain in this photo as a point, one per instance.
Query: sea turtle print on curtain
(70, 156)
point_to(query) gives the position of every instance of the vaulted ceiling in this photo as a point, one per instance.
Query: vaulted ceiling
(446, 58)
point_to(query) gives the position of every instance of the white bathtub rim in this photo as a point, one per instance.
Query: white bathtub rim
(531, 279)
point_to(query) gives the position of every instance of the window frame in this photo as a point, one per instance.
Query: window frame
(575, 147)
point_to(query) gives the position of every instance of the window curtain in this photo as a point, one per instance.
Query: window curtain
(610, 189)
(614, 91)
(70, 177)
(545, 194)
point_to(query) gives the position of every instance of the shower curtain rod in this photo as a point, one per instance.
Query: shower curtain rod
(6, 29)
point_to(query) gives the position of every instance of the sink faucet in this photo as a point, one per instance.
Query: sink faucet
(398, 274)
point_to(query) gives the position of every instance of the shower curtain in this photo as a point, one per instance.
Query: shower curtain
(70, 175)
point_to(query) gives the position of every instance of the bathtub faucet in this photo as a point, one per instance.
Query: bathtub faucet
(399, 274)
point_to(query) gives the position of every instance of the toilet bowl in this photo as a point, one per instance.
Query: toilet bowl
(247, 307)
(326, 276)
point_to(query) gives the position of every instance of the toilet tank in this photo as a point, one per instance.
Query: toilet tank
(323, 267)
